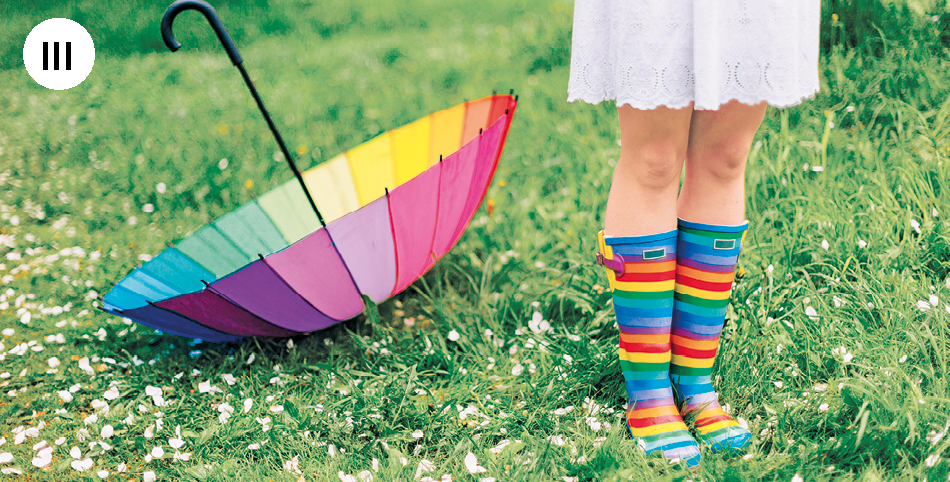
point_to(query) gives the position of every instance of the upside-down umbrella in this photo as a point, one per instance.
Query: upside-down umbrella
(279, 266)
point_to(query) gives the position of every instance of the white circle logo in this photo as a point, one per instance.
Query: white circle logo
(59, 54)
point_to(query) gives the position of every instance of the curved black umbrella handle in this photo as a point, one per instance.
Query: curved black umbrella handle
(209, 13)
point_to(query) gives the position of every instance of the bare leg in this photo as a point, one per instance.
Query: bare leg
(642, 196)
(641, 234)
(712, 203)
(714, 189)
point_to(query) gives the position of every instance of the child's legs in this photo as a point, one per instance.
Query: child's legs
(714, 188)
(643, 192)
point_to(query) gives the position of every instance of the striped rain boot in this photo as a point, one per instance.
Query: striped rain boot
(705, 269)
(641, 271)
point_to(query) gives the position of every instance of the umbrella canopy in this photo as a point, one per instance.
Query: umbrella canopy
(392, 206)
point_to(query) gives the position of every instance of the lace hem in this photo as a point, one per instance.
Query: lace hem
(778, 103)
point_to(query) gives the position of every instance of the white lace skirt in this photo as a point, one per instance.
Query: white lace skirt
(649, 53)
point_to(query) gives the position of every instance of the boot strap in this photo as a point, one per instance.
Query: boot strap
(616, 264)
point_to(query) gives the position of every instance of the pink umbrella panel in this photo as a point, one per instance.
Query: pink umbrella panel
(269, 268)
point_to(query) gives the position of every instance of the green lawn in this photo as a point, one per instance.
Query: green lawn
(835, 352)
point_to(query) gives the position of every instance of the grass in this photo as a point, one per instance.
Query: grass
(835, 353)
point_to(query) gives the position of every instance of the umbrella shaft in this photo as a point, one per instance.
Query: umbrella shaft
(280, 141)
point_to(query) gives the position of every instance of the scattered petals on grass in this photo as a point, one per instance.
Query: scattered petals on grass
(148, 476)
(454, 335)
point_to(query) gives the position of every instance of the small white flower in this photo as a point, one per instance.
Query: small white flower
(158, 452)
(932, 460)
(454, 335)
(823, 407)
(84, 366)
(160, 187)
(148, 476)
(206, 386)
(777, 384)
(112, 393)
(82, 465)
(812, 314)
(278, 409)
(923, 305)
(845, 354)
(53, 362)
(517, 369)
(65, 396)
(293, 465)
(418, 435)
(825, 245)
(797, 478)
(423, 467)
(229, 379)
(914, 224)
(248, 403)
(862, 243)
(223, 164)
(538, 324)
(43, 457)
(471, 463)
(148, 208)
(6, 458)
(107, 431)
(156, 394)
(934, 300)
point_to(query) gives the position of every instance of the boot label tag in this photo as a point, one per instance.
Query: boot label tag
(724, 244)
(654, 254)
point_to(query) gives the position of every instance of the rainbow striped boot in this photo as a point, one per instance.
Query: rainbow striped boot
(641, 271)
(705, 268)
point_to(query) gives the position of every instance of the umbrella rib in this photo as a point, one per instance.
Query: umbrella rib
(280, 142)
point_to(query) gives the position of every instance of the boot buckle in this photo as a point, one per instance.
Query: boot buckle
(616, 263)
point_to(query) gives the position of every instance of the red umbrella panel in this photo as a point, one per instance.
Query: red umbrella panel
(393, 206)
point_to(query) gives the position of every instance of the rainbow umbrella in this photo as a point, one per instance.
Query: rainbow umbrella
(278, 266)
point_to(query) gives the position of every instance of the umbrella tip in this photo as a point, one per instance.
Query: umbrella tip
(206, 283)
(480, 131)
(516, 98)
(387, 190)
(440, 157)
(259, 255)
(511, 92)
(494, 91)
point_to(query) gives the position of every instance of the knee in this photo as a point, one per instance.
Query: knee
(725, 160)
(656, 165)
